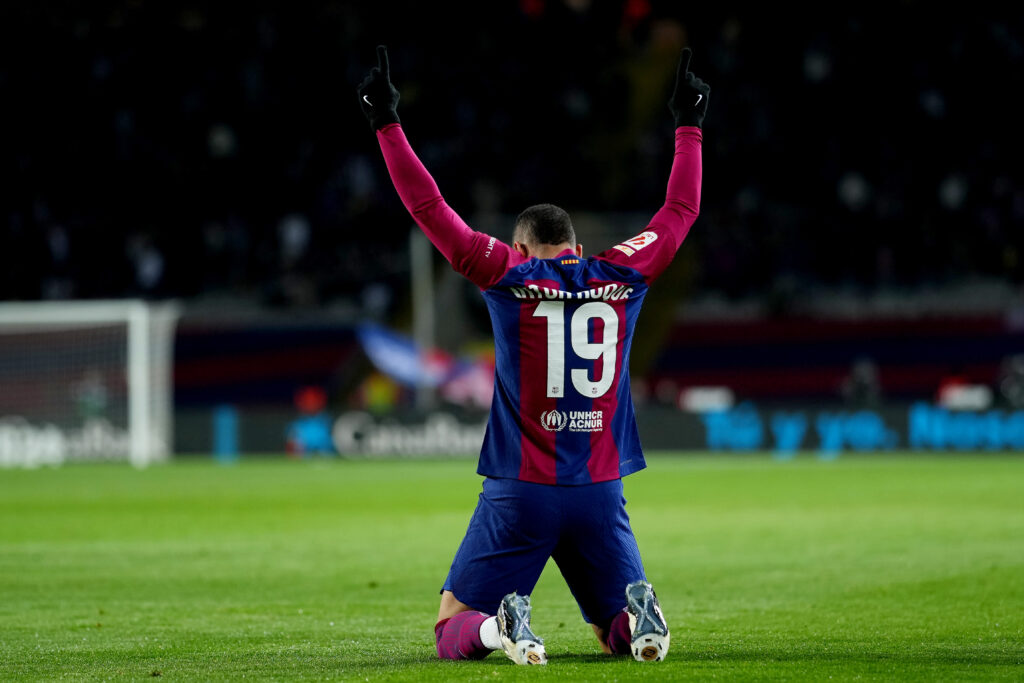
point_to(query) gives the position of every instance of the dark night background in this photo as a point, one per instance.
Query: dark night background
(189, 149)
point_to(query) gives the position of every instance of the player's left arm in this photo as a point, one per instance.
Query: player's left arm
(651, 251)
(478, 256)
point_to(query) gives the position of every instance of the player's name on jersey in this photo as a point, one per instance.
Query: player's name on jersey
(610, 292)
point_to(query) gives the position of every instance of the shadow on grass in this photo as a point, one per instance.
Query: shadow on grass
(495, 659)
(732, 656)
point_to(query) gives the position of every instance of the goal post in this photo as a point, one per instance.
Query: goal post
(86, 380)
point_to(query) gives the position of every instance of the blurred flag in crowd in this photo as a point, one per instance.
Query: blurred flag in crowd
(463, 381)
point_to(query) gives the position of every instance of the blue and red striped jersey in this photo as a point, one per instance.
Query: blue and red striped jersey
(562, 412)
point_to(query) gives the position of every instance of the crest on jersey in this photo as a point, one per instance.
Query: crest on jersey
(631, 246)
(553, 420)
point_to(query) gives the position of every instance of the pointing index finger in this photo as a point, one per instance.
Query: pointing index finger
(382, 61)
(684, 61)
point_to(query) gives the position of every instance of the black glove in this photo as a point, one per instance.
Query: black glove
(689, 101)
(377, 97)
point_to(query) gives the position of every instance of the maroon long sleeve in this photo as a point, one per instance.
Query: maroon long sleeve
(480, 257)
(651, 251)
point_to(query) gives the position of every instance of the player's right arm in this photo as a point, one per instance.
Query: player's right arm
(651, 251)
(481, 258)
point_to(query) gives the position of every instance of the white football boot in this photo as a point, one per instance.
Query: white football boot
(517, 639)
(649, 636)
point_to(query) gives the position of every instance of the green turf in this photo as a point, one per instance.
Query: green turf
(869, 567)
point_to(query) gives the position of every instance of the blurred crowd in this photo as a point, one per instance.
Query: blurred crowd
(208, 149)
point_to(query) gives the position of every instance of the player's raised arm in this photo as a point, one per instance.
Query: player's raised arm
(651, 251)
(481, 258)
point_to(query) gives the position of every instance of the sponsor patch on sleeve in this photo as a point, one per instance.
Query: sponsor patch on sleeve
(631, 246)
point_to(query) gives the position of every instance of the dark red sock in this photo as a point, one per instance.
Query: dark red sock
(619, 637)
(459, 636)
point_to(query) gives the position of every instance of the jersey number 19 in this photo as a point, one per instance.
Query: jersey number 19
(582, 347)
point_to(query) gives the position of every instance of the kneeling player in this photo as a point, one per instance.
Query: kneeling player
(562, 432)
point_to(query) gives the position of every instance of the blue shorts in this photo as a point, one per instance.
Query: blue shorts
(518, 525)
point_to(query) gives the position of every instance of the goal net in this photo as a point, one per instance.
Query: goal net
(86, 381)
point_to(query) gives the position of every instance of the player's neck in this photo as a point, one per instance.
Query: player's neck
(543, 251)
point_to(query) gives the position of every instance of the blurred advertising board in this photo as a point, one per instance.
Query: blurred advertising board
(782, 429)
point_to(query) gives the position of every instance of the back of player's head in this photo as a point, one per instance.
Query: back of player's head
(544, 224)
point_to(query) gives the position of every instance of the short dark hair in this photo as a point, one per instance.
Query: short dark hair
(544, 224)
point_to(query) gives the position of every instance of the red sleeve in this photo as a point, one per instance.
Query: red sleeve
(651, 251)
(481, 258)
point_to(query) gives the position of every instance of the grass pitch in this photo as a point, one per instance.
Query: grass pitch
(869, 567)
